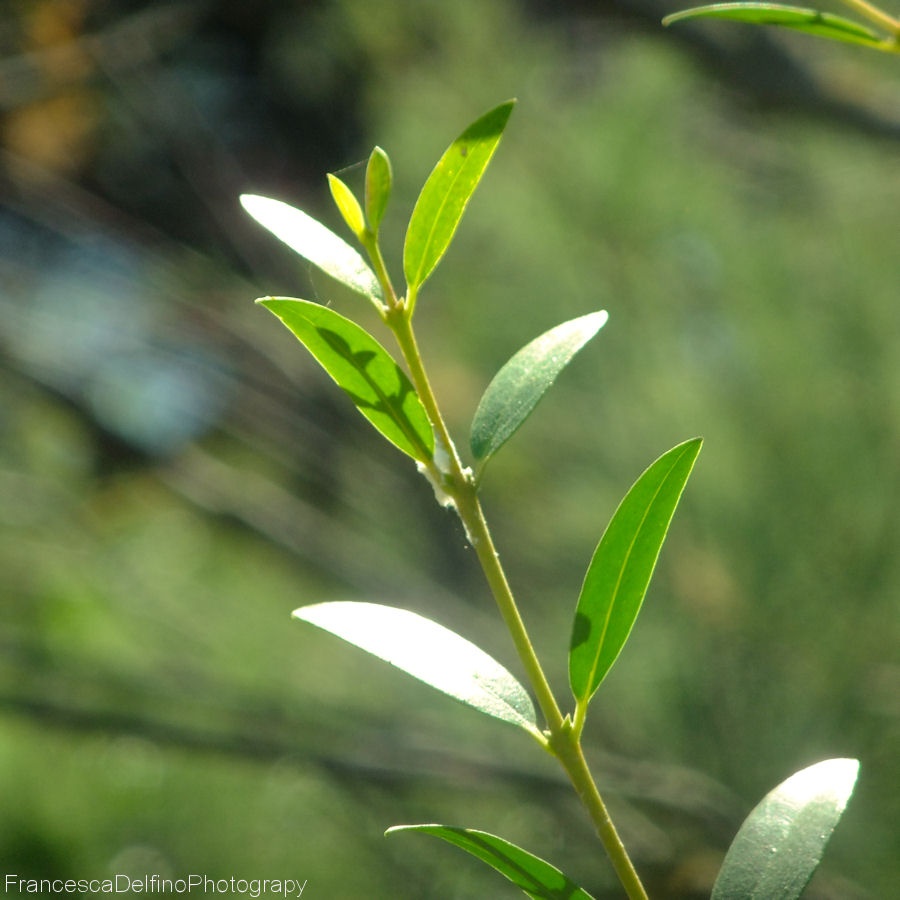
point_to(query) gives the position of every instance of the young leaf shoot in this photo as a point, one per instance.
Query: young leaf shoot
(379, 178)
(348, 205)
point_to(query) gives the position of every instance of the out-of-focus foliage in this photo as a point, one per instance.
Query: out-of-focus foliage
(167, 500)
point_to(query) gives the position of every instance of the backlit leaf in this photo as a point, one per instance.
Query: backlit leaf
(810, 21)
(620, 570)
(316, 243)
(447, 191)
(363, 369)
(429, 652)
(378, 186)
(779, 846)
(347, 204)
(537, 878)
(520, 384)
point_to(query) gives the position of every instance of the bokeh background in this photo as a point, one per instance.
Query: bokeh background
(176, 475)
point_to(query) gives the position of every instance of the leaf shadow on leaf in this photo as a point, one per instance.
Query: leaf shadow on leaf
(389, 404)
(581, 629)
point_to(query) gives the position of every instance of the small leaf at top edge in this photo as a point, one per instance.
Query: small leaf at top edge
(620, 570)
(347, 204)
(446, 193)
(363, 369)
(780, 844)
(536, 877)
(314, 242)
(517, 388)
(429, 652)
(809, 21)
(379, 178)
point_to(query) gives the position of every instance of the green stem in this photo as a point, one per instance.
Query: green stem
(876, 15)
(448, 474)
(567, 748)
(369, 240)
(479, 535)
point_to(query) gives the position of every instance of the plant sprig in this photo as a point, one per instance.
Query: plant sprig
(810, 21)
(402, 406)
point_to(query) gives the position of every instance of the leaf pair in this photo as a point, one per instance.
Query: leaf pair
(379, 179)
(773, 856)
(810, 21)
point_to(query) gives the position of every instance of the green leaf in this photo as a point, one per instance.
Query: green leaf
(447, 191)
(348, 205)
(363, 369)
(516, 389)
(620, 570)
(429, 652)
(538, 879)
(779, 846)
(811, 21)
(379, 178)
(316, 243)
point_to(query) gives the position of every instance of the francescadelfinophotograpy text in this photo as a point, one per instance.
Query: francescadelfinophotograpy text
(156, 884)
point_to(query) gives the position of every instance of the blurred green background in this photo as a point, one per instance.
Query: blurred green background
(176, 475)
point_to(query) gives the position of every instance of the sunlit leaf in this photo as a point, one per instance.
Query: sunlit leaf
(620, 570)
(779, 846)
(429, 652)
(447, 191)
(363, 369)
(347, 204)
(378, 186)
(520, 384)
(811, 21)
(538, 879)
(315, 242)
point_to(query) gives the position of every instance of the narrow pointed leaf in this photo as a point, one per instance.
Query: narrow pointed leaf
(447, 191)
(347, 204)
(516, 389)
(363, 369)
(379, 178)
(429, 652)
(620, 570)
(779, 846)
(314, 242)
(537, 878)
(810, 21)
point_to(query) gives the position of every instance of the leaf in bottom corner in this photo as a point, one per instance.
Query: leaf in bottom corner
(536, 877)
(779, 846)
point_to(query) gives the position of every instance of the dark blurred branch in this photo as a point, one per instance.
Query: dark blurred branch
(387, 757)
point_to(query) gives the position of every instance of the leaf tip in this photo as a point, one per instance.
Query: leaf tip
(252, 203)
